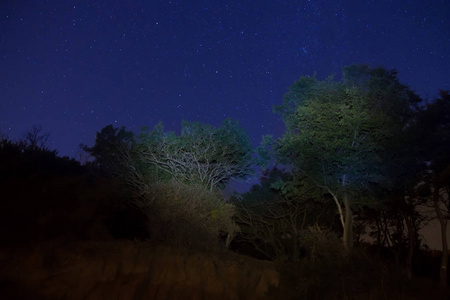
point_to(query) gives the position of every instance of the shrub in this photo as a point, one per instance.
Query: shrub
(188, 215)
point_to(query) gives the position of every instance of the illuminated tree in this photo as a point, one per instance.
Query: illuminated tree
(340, 135)
(175, 179)
(200, 154)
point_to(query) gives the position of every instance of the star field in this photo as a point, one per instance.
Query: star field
(74, 67)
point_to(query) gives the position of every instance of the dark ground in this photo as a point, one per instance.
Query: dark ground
(67, 234)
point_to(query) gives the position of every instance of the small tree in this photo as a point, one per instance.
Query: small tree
(36, 139)
(111, 150)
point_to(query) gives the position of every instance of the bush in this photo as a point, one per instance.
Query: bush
(188, 215)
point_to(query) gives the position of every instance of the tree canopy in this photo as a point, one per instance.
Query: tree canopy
(341, 134)
(200, 154)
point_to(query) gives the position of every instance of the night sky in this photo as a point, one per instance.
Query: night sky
(74, 67)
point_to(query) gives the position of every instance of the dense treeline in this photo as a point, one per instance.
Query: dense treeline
(366, 147)
(363, 154)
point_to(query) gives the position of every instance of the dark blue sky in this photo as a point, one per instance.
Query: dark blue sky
(74, 67)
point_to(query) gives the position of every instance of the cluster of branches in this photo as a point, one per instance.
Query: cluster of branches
(200, 153)
(33, 140)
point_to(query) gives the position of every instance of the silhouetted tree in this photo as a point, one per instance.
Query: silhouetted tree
(36, 139)
(111, 149)
(395, 226)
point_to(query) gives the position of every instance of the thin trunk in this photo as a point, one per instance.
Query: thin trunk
(295, 250)
(409, 226)
(228, 240)
(346, 218)
(443, 223)
(348, 226)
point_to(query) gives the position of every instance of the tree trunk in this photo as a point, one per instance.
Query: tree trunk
(346, 217)
(443, 223)
(347, 238)
(409, 256)
(228, 240)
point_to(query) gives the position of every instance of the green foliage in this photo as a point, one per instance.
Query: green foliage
(200, 154)
(335, 137)
(265, 155)
(339, 132)
(174, 179)
(346, 136)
